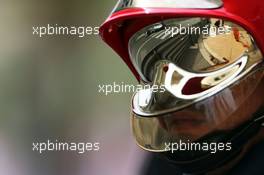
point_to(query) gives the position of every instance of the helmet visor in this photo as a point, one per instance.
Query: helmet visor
(209, 73)
(222, 112)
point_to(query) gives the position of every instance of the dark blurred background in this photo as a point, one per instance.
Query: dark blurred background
(49, 90)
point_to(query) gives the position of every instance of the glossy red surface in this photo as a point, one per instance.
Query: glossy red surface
(120, 26)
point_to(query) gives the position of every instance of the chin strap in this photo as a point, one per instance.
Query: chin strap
(201, 163)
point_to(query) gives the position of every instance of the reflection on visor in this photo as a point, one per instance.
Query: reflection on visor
(194, 44)
(193, 58)
(209, 68)
(222, 112)
(183, 88)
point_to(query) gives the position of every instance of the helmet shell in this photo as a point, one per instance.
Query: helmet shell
(121, 25)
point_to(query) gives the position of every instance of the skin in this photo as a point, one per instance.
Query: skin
(184, 125)
(192, 124)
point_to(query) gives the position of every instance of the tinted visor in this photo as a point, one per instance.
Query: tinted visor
(207, 71)
(222, 112)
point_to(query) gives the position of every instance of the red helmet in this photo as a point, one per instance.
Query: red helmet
(206, 59)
